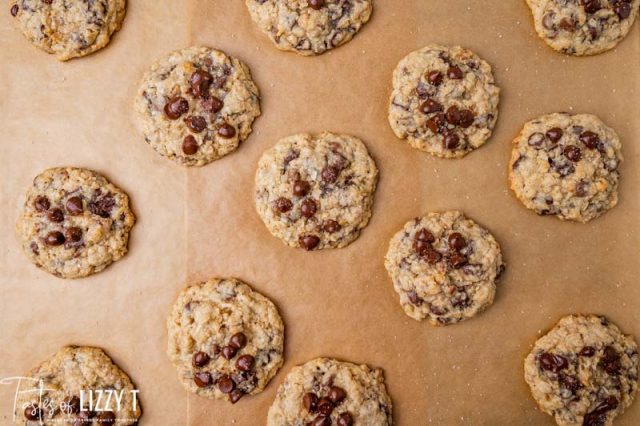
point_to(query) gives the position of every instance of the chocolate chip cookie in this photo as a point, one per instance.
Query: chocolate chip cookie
(68, 29)
(196, 105)
(329, 392)
(316, 191)
(79, 385)
(74, 222)
(310, 27)
(225, 339)
(583, 27)
(566, 165)
(584, 371)
(444, 266)
(444, 101)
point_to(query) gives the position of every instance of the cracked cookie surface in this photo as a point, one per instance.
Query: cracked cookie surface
(225, 339)
(444, 101)
(329, 392)
(197, 105)
(583, 27)
(316, 191)
(584, 371)
(52, 393)
(74, 222)
(310, 27)
(68, 29)
(444, 266)
(566, 165)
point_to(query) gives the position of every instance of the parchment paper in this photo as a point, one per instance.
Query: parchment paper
(198, 223)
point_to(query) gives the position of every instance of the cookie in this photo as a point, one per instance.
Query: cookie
(78, 385)
(316, 191)
(444, 101)
(68, 29)
(584, 371)
(444, 266)
(196, 105)
(329, 392)
(583, 27)
(74, 222)
(566, 165)
(310, 27)
(225, 339)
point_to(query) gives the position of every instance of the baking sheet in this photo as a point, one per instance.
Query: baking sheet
(198, 223)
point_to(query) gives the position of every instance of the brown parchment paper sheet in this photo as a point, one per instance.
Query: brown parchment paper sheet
(198, 223)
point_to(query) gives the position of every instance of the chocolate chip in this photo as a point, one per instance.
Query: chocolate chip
(229, 352)
(200, 82)
(421, 247)
(310, 402)
(14, 10)
(235, 395)
(74, 206)
(622, 9)
(331, 226)
(330, 174)
(589, 139)
(336, 394)
(454, 72)
(598, 416)
(325, 406)
(573, 153)
(591, 6)
(457, 241)
(195, 123)
(41, 203)
(32, 412)
(189, 145)
(212, 105)
(430, 106)
(570, 382)
(453, 115)
(554, 134)
(56, 215)
(215, 348)
(202, 379)
(610, 361)
(587, 351)
(456, 260)
(71, 405)
(582, 188)
(431, 256)
(225, 384)
(226, 131)
(283, 205)
(308, 208)
(536, 140)
(308, 242)
(301, 188)
(552, 362)
(424, 235)
(238, 341)
(47, 1)
(414, 298)
(466, 118)
(200, 359)
(321, 421)
(175, 107)
(73, 234)
(106, 417)
(315, 4)
(435, 78)
(437, 123)
(345, 419)
(245, 362)
(102, 205)
(54, 238)
(451, 141)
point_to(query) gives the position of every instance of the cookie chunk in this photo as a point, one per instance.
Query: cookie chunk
(444, 266)
(64, 390)
(444, 101)
(316, 191)
(566, 165)
(196, 105)
(329, 392)
(583, 27)
(225, 339)
(74, 222)
(310, 27)
(68, 29)
(584, 371)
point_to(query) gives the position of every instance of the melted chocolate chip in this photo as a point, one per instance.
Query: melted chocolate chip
(32, 412)
(454, 72)
(74, 206)
(598, 416)
(225, 384)
(195, 123)
(554, 134)
(570, 382)
(536, 140)
(331, 226)
(308, 242)
(466, 118)
(437, 123)
(55, 215)
(14, 10)
(73, 234)
(189, 145)
(316, 4)
(102, 205)
(54, 238)
(345, 419)
(456, 260)
(610, 361)
(451, 141)
(622, 9)
(414, 298)
(431, 256)
(175, 107)
(573, 153)
(587, 351)
(41, 204)
(308, 208)
(202, 379)
(457, 241)
(283, 205)
(226, 131)
(325, 406)
(330, 174)
(310, 402)
(200, 359)
(245, 362)
(71, 405)
(336, 394)
(238, 341)
(200, 82)
(435, 78)
(589, 139)
(552, 362)
(229, 352)
(591, 6)
(430, 106)
(212, 105)
(301, 188)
